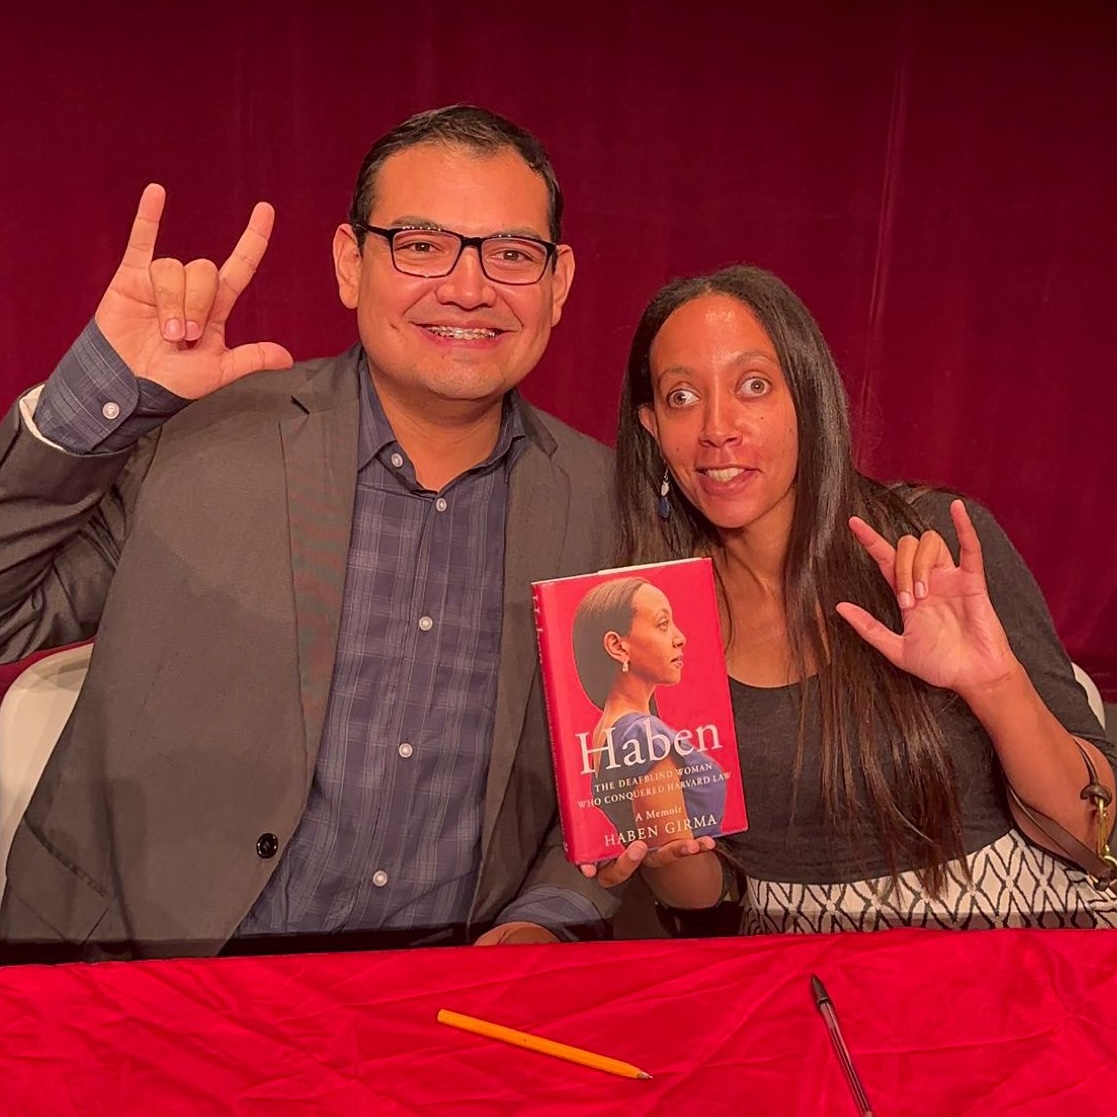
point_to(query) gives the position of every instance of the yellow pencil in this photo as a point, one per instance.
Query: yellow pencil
(538, 1043)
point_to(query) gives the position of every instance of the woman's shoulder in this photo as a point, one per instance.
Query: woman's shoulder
(634, 719)
(930, 500)
(1006, 571)
(929, 507)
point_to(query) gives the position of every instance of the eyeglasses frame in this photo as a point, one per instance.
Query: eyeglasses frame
(390, 234)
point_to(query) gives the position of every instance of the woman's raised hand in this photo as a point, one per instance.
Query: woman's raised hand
(167, 319)
(951, 636)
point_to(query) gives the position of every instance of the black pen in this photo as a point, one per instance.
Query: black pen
(826, 1007)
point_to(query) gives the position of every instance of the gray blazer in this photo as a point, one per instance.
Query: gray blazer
(210, 563)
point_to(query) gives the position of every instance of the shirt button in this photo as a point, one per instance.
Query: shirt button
(440, 505)
(405, 750)
(397, 460)
(267, 845)
(380, 878)
(110, 410)
(426, 624)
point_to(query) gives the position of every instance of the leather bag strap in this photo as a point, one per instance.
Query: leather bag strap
(1100, 863)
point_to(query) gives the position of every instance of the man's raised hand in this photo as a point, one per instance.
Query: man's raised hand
(167, 319)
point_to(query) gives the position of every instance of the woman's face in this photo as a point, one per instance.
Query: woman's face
(654, 643)
(723, 415)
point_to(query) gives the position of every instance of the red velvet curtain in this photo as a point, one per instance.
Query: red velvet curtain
(937, 179)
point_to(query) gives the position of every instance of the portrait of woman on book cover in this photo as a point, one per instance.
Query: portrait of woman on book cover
(627, 644)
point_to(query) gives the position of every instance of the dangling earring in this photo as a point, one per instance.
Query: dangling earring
(664, 502)
(624, 666)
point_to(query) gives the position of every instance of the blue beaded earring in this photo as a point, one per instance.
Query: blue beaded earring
(664, 502)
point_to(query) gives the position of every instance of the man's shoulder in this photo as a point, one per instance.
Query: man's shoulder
(585, 467)
(586, 463)
(313, 385)
(319, 378)
(569, 442)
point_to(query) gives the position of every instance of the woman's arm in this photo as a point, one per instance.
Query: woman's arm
(953, 638)
(1040, 758)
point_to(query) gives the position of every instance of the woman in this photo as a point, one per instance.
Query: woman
(627, 644)
(905, 719)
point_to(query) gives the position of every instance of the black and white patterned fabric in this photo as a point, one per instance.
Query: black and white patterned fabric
(1013, 884)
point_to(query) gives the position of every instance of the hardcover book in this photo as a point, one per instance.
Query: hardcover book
(638, 707)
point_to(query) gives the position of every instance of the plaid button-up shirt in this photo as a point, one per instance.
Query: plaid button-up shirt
(391, 833)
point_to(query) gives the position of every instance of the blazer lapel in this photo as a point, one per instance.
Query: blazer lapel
(538, 499)
(320, 458)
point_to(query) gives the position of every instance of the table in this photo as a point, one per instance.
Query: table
(989, 1022)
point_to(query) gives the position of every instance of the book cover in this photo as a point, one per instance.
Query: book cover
(638, 707)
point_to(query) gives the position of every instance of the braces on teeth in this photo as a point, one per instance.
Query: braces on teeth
(460, 334)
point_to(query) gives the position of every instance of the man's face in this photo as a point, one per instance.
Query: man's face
(407, 323)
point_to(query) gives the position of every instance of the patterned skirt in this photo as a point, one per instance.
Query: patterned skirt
(1013, 884)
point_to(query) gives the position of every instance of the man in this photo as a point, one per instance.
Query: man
(312, 708)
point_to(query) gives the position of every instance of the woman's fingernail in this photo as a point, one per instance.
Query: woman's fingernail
(920, 589)
(906, 601)
(193, 330)
(172, 329)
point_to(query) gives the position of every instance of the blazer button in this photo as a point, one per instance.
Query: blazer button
(266, 846)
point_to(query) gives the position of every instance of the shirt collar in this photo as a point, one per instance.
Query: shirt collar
(375, 434)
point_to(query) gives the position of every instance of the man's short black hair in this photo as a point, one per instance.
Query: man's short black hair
(467, 126)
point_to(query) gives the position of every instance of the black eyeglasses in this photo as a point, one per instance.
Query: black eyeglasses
(433, 253)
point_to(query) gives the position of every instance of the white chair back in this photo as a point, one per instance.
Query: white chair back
(1093, 695)
(33, 711)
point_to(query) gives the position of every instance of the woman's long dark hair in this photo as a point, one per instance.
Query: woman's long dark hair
(863, 698)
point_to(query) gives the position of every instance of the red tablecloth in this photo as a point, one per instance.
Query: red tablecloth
(995, 1022)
